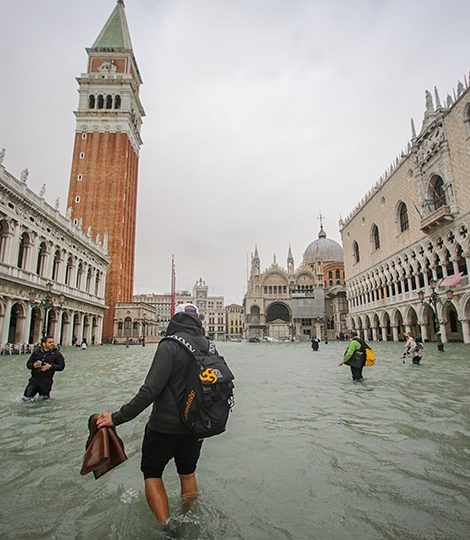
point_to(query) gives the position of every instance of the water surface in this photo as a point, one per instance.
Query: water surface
(308, 454)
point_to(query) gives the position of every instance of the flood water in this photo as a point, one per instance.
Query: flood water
(308, 453)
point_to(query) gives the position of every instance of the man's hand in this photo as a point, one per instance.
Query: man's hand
(46, 367)
(104, 420)
(37, 364)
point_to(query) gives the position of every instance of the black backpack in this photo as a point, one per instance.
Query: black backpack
(208, 396)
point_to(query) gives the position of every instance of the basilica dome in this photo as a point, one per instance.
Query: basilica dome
(324, 249)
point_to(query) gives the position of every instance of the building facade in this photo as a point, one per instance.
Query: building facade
(211, 308)
(410, 232)
(52, 273)
(103, 182)
(235, 321)
(135, 323)
(289, 303)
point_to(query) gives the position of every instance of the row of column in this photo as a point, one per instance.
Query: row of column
(62, 329)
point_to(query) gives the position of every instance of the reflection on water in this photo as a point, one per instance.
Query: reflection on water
(308, 454)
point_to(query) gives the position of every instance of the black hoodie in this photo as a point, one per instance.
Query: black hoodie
(168, 368)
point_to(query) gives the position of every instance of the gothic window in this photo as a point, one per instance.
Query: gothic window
(338, 274)
(109, 101)
(438, 197)
(356, 257)
(117, 102)
(403, 217)
(56, 265)
(375, 237)
(461, 262)
(330, 274)
(100, 101)
(41, 259)
(91, 101)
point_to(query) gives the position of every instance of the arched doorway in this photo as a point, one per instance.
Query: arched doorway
(35, 326)
(16, 323)
(388, 327)
(453, 327)
(64, 327)
(278, 321)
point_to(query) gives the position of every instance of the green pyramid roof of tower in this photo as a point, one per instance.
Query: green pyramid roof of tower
(115, 33)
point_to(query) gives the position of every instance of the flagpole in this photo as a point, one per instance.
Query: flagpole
(173, 287)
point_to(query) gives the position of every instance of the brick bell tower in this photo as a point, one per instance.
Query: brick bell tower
(103, 181)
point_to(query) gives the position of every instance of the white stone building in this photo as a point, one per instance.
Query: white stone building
(411, 229)
(52, 274)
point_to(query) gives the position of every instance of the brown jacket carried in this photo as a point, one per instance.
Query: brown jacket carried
(104, 449)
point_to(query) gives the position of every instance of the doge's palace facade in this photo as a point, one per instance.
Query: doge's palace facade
(411, 231)
(52, 274)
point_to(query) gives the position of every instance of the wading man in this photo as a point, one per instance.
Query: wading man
(166, 437)
(43, 363)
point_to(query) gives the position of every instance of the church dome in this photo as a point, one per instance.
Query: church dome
(324, 249)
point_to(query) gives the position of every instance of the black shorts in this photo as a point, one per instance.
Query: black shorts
(159, 448)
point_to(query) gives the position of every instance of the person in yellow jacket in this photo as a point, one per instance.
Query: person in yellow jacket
(355, 356)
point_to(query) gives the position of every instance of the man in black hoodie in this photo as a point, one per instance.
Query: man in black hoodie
(43, 363)
(166, 437)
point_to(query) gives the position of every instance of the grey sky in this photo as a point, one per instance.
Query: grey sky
(260, 114)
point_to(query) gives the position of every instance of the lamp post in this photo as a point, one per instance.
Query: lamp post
(432, 301)
(46, 303)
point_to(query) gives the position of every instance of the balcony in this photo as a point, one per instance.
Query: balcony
(437, 218)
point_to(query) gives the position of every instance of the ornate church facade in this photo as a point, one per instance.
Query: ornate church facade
(298, 303)
(407, 243)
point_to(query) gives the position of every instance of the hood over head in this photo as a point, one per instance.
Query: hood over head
(185, 323)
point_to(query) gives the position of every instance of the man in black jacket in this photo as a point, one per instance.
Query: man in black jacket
(166, 437)
(43, 363)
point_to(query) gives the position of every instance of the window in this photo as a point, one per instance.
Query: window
(78, 283)
(82, 155)
(438, 196)
(41, 259)
(403, 217)
(56, 265)
(100, 101)
(375, 238)
(91, 102)
(77, 199)
(356, 257)
(68, 271)
(79, 177)
(117, 102)
(83, 136)
(109, 101)
(467, 120)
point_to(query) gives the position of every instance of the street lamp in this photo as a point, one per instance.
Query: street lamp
(432, 301)
(46, 303)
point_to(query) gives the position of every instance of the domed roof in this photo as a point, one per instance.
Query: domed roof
(324, 249)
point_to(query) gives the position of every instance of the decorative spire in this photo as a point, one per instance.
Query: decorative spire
(429, 103)
(436, 98)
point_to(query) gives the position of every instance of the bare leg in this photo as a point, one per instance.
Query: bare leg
(189, 490)
(157, 498)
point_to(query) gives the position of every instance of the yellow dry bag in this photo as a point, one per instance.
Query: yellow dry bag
(370, 357)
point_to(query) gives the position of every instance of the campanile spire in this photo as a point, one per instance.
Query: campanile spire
(103, 181)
